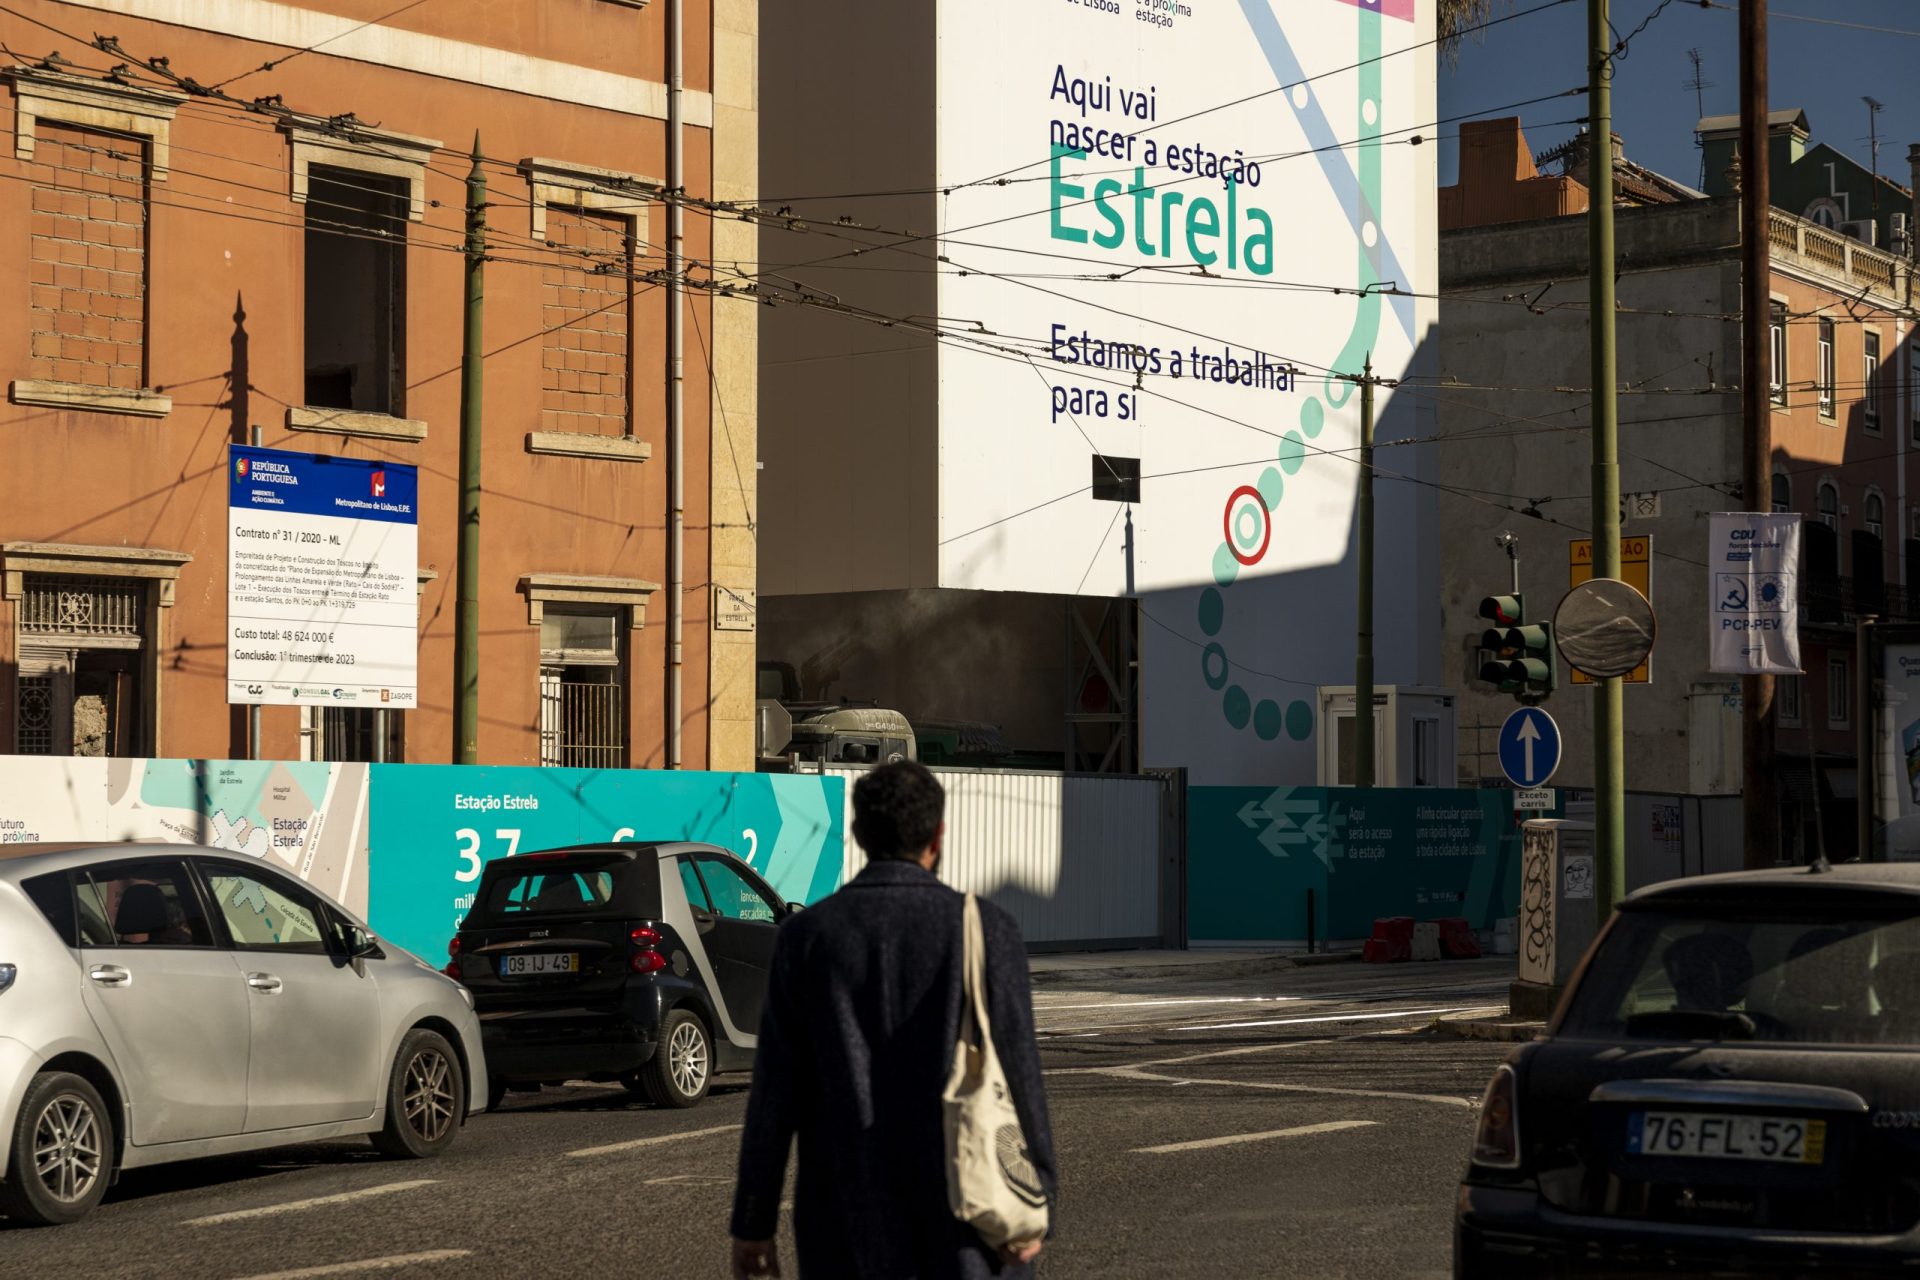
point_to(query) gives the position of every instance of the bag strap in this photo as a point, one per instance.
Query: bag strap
(974, 972)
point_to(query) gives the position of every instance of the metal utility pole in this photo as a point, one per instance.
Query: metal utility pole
(1758, 771)
(1609, 756)
(1363, 650)
(466, 653)
(1866, 733)
(1874, 108)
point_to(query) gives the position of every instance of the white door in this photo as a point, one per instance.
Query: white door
(171, 1005)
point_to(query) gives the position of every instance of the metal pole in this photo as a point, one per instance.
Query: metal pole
(466, 653)
(676, 388)
(1866, 738)
(1609, 791)
(253, 711)
(1758, 772)
(1363, 639)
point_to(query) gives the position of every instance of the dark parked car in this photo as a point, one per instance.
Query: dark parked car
(642, 963)
(1730, 1087)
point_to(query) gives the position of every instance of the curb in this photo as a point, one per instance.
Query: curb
(1234, 968)
(1506, 1031)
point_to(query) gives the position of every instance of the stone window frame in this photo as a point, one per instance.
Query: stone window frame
(143, 114)
(159, 568)
(391, 155)
(583, 186)
(542, 589)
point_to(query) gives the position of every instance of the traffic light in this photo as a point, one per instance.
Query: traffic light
(1518, 657)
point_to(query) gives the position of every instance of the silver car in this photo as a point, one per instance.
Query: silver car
(160, 1003)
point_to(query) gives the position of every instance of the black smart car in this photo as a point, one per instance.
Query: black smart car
(642, 963)
(1730, 1087)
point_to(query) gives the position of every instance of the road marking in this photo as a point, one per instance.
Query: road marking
(317, 1202)
(1192, 1057)
(1142, 1004)
(1331, 1017)
(637, 1143)
(392, 1262)
(1445, 1100)
(1299, 1131)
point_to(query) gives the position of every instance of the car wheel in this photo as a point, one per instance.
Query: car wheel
(426, 1095)
(61, 1153)
(681, 1067)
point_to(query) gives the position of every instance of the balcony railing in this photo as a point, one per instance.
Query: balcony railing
(1829, 251)
(1839, 602)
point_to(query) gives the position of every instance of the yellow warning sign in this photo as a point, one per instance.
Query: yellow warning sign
(1636, 569)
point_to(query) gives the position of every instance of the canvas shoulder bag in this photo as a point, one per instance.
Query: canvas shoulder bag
(992, 1184)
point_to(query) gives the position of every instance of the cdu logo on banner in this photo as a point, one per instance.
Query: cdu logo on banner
(1753, 596)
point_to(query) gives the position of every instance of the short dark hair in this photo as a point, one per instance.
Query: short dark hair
(897, 809)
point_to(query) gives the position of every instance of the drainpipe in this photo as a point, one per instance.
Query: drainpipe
(676, 383)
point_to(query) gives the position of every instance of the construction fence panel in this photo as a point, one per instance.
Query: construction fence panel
(1074, 858)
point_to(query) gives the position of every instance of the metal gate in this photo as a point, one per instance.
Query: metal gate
(1080, 860)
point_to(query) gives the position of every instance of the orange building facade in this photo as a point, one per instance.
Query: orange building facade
(190, 268)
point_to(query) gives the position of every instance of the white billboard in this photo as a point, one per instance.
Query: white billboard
(322, 580)
(1188, 224)
(1752, 564)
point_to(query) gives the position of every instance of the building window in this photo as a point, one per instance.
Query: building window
(1870, 409)
(1782, 494)
(587, 293)
(1777, 333)
(353, 734)
(356, 246)
(1826, 369)
(83, 646)
(87, 260)
(582, 707)
(1829, 505)
(1787, 691)
(1839, 694)
(1876, 515)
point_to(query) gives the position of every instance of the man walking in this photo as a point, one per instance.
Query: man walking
(862, 1017)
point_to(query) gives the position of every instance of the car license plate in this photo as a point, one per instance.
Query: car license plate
(535, 963)
(1783, 1139)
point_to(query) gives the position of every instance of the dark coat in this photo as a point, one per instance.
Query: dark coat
(862, 1016)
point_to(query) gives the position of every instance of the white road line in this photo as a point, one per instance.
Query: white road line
(1299, 1131)
(637, 1143)
(1142, 1004)
(1331, 1017)
(392, 1262)
(317, 1202)
(1194, 1057)
(1441, 1099)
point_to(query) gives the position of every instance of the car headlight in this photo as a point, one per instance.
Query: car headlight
(1496, 1138)
(8, 972)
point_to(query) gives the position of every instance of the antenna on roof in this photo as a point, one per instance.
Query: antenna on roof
(1874, 108)
(1699, 84)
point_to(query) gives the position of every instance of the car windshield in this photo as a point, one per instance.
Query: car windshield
(550, 891)
(1848, 976)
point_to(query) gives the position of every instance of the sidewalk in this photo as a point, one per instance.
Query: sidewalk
(1054, 968)
(1490, 1027)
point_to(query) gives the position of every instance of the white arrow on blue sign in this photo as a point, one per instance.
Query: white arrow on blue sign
(1529, 747)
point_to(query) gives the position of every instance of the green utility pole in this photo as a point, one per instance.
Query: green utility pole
(466, 654)
(1609, 757)
(1363, 651)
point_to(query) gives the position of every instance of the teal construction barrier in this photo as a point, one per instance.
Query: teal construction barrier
(1254, 854)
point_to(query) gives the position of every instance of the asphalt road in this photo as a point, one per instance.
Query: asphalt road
(1301, 1122)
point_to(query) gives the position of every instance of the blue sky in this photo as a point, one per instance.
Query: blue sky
(1822, 69)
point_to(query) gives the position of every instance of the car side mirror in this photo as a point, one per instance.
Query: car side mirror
(791, 909)
(360, 943)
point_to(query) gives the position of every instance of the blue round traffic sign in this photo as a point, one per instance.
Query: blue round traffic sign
(1529, 747)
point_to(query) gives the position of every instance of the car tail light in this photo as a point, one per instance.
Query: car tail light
(647, 962)
(453, 948)
(1496, 1138)
(644, 937)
